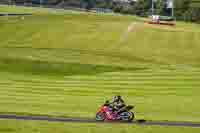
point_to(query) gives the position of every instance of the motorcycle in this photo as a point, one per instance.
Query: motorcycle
(106, 113)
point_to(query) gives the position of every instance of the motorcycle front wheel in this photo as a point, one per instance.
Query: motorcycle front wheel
(100, 116)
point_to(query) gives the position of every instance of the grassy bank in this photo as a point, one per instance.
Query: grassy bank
(67, 64)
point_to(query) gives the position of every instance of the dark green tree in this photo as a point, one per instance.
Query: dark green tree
(160, 7)
(142, 7)
(181, 8)
(90, 4)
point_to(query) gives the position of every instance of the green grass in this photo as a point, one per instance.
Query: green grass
(11, 126)
(68, 64)
(37, 10)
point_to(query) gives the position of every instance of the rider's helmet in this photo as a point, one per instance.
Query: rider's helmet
(117, 98)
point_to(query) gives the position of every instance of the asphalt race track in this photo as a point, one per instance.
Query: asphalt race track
(85, 120)
(14, 14)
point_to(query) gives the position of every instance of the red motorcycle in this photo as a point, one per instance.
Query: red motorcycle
(106, 113)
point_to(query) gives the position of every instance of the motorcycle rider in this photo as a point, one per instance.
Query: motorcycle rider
(118, 104)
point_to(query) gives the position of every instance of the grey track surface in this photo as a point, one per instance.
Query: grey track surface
(85, 120)
(14, 14)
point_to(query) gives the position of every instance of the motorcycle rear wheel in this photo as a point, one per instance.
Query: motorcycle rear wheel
(127, 116)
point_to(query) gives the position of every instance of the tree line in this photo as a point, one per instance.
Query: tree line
(187, 10)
